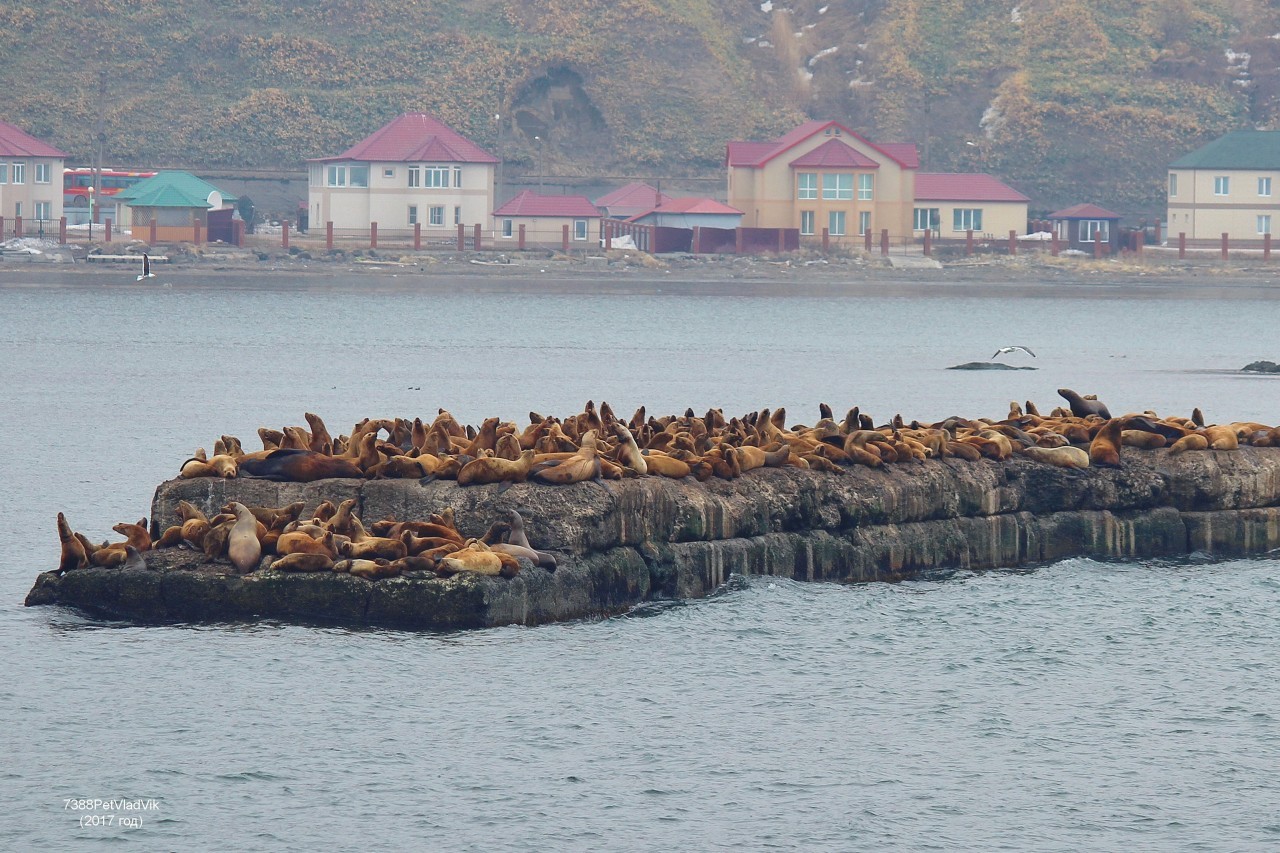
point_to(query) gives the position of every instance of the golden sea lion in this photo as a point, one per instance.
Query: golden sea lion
(299, 561)
(1191, 441)
(1104, 450)
(476, 558)
(493, 469)
(369, 569)
(1141, 438)
(298, 542)
(373, 547)
(1221, 438)
(1065, 456)
(217, 466)
(628, 451)
(243, 548)
(74, 555)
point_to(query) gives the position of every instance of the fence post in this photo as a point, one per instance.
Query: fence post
(608, 235)
(1054, 245)
(1097, 244)
(968, 242)
(826, 240)
(328, 235)
(782, 240)
(1013, 242)
(237, 231)
(196, 232)
(1266, 246)
(1140, 241)
(475, 243)
(153, 235)
(17, 226)
(884, 242)
(1182, 244)
(520, 244)
(928, 242)
(373, 235)
(738, 241)
(107, 232)
(1157, 232)
(1, 228)
(62, 230)
(284, 234)
(1224, 245)
(417, 236)
(866, 239)
(696, 245)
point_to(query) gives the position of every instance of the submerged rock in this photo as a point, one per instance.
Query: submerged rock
(987, 365)
(1262, 367)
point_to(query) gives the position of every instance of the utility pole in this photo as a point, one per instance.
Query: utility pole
(100, 137)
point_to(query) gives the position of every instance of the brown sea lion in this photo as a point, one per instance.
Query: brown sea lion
(369, 569)
(1141, 438)
(299, 466)
(493, 469)
(74, 555)
(1221, 438)
(243, 547)
(299, 561)
(1104, 450)
(1082, 407)
(372, 548)
(298, 542)
(1191, 441)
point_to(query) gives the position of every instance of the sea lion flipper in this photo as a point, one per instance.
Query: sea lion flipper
(430, 478)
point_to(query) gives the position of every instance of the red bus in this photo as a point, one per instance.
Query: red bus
(75, 190)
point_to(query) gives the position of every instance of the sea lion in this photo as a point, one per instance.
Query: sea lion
(1104, 450)
(133, 558)
(218, 466)
(476, 558)
(298, 561)
(1221, 438)
(243, 548)
(628, 451)
(1065, 456)
(298, 542)
(373, 547)
(1141, 438)
(493, 469)
(73, 550)
(1191, 441)
(1082, 407)
(368, 569)
(299, 466)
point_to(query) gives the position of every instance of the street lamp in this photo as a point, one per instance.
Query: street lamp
(90, 191)
(541, 162)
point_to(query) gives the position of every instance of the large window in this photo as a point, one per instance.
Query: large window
(806, 222)
(19, 173)
(415, 176)
(337, 176)
(579, 229)
(927, 219)
(457, 176)
(837, 187)
(1221, 185)
(437, 215)
(1094, 230)
(359, 176)
(965, 218)
(835, 223)
(1173, 184)
(1264, 223)
(435, 176)
(1264, 186)
(864, 222)
(42, 175)
(865, 185)
(413, 214)
(4, 173)
(808, 183)
(44, 210)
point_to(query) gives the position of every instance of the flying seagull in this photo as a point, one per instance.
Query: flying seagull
(1005, 350)
(146, 267)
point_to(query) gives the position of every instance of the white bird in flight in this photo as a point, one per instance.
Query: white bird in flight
(146, 267)
(1005, 350)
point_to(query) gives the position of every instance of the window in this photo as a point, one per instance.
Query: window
(44, 210)
(579, 229)
(1221, 185)
(415, 176)
(506, 228)
(864, 222)
(457, 215)
(4, 173)
(359, 176)
(835, 223)
(413, 214)
(964, 218)
(808, 182)
(19, 173)
(837, 187)
(436, 176)
(1264, 186)
(388, 173)
(865, 183)
(457, 176)
(1094, 230)
(17, 208)
(437, 215)
(806, 222)
(337, 176)
(1264, 223)
(1173, 184)
(927, 219)
(42, 177)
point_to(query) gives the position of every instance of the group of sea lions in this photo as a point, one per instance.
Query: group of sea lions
(332, 539)
(595, 444)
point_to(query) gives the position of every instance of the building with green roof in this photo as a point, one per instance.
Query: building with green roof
(181, 207)
(1230, 186)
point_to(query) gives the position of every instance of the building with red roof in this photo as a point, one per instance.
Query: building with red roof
(1082, 225)
(30, 178)
(824, 176)
(952, 203)
(414, 170)
(545, 216)
(690, 213)
(625, 202)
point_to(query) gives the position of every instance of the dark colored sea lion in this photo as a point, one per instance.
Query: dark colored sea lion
(1082, 408)
(298, 466)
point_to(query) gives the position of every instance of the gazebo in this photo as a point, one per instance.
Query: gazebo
(1078, 227)
(183, 208)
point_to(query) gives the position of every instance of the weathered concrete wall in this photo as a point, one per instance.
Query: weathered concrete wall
(651, 537)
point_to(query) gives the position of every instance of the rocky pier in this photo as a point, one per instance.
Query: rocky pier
(621, 543)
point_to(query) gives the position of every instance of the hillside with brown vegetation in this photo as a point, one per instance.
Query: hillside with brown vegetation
(1068, 100)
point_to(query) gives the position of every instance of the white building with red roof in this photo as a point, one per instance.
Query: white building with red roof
(30, 179)
(413, 170)
(952, 204)
(625, 202)
(544, 218)
(822, 175)
(690, 213)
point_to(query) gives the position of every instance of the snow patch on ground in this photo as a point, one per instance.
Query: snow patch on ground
(825, 52)
(766, 6)
(1015, 15)
(805, 74)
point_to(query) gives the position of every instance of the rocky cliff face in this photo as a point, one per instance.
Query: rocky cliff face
(627, 541)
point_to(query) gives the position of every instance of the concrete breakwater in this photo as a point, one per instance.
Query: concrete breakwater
(624, 542)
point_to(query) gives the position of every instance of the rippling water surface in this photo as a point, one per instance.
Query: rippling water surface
(1076, 706)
